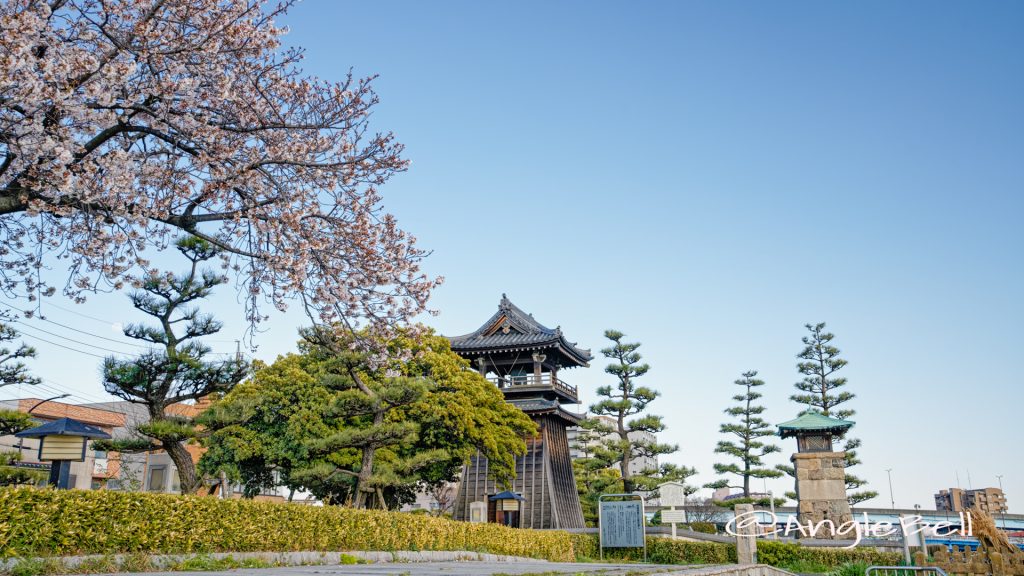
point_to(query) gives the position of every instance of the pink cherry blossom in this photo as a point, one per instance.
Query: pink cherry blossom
(126, 123)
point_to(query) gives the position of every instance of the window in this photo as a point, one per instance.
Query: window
(157, 479)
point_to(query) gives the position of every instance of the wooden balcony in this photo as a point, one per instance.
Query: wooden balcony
(530, 383)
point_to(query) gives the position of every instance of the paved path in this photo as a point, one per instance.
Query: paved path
(451, 569)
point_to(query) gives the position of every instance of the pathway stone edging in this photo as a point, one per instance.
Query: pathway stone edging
(165, 561)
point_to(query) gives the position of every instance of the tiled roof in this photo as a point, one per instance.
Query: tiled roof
(543, 406)
(510, 328)
(813, 422)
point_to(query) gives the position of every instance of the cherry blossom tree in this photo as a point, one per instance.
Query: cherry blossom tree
(125, 123)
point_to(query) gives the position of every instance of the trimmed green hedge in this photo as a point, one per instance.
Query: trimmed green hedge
(46, 522)
(659, 550)
(667, 551)
(787, 553)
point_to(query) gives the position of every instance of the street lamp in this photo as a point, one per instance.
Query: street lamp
(1002, 507)
(41, 402)
(891, 497)
(21, 441)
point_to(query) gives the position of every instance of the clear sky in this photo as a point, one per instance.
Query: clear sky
(708, 177)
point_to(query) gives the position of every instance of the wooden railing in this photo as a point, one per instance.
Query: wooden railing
(531, 380)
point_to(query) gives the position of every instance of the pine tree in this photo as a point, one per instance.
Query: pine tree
(177, 369)
(820, 391)
(625, 404)
(748, 429)
(13, 372)
(594, 469)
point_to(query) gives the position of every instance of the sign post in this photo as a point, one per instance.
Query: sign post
(672, 494)
(673, 517)
(621, 522)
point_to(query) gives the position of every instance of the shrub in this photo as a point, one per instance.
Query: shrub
(705, 527)
(784, 554)
(46, 522)
(659, 551)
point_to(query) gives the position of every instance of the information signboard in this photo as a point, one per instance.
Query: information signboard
(621, 522)
(672, 494)
(673, 516)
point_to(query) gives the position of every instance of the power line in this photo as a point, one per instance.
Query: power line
(79, 313)
(114, 340)
(100, 320)
(65, 347)
(24, 326)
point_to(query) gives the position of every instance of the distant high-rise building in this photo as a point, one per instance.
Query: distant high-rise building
(991, 500)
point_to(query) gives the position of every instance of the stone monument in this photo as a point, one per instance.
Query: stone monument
(820, 475)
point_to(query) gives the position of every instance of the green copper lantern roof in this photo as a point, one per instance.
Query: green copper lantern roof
(813, 422)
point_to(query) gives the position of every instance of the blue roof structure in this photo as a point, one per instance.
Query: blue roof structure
(63, 427)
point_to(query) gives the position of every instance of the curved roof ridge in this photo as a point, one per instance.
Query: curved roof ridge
(511, 327)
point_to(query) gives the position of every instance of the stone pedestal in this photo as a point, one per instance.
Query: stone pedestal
(746, 535)
(821, 492)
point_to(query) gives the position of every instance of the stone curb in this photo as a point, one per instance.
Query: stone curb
(164, 561)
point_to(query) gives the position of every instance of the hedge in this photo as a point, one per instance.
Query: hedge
(659, 550)
(46, 522)
(786, 553)
(667, 551)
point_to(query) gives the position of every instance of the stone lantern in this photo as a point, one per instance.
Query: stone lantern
(62, 442)
(820, 472)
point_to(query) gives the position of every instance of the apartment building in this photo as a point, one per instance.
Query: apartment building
(991, 500)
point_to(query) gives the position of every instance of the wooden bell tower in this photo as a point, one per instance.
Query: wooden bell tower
(523, 358)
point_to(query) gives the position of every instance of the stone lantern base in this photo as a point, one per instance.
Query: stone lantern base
(821, 492)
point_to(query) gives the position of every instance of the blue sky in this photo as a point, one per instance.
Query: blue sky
(708, 177)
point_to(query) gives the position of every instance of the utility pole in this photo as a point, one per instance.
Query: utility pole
(891, 497)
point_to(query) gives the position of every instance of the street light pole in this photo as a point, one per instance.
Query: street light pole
(1002, 513)
(21, 441)
(891, 497)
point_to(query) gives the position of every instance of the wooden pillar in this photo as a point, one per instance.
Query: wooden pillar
(481, 366)
(538, 362)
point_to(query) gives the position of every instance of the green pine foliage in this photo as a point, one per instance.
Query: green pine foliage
(177, 368)
(746, 434)
(13, 371)
(625, 404)
(821, 391)
(11, 475)
(308, 421)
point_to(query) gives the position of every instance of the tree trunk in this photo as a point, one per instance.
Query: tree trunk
(187, 476)
(366, 468)
(627, 457)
